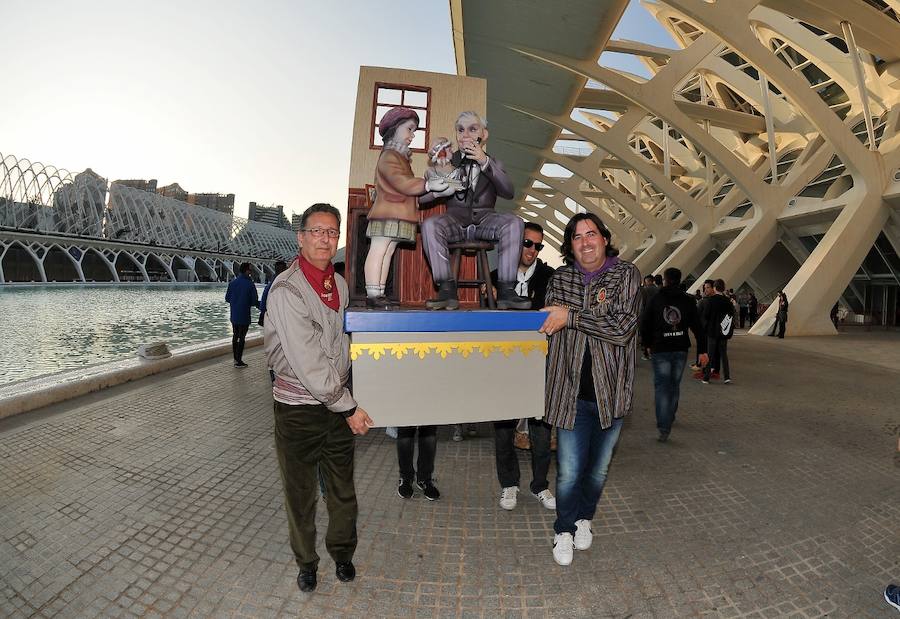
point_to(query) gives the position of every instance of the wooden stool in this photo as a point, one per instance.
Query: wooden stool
(482, 268)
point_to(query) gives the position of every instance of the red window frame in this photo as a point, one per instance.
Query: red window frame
(403, 88)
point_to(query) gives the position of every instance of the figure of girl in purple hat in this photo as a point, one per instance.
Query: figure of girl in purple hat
(393, 216)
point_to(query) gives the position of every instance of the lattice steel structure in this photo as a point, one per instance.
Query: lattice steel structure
(764, 150)
(85, 213)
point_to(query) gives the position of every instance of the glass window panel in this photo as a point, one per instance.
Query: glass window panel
(851, 299)
(839, 43)
(419, 140)
(390, 96)
(376, 138)
(874, 264)
(815, 75)
(833, 95)
(380, 111)
(813, 29)
(423, 118)
(733, 59)
(887, 250)
(415, 98)
(741, 208)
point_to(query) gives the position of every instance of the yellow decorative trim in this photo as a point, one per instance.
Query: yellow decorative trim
(400, 349)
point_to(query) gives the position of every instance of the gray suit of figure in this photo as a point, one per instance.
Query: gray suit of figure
(471, 216)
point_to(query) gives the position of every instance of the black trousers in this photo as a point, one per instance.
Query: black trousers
(238, 337)
(406, 444)
(779, 327)
(744, 312)
(508, 461)
(307, 439)
(718, 354)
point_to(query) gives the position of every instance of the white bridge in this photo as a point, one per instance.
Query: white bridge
(56, 227)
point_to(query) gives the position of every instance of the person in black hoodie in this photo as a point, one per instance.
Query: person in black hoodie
(718, 320)
(669, 315)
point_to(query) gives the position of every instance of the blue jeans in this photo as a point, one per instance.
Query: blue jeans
(667, 370)
(583, 456)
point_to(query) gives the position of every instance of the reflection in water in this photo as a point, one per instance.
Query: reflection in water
(47, 329)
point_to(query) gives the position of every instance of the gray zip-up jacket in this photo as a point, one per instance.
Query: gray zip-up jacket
(305, 341)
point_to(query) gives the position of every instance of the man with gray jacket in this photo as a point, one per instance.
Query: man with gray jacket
(316, 417)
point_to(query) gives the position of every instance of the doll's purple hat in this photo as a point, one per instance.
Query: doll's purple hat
(394, 117)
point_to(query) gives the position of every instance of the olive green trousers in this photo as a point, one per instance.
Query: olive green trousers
(310, 438)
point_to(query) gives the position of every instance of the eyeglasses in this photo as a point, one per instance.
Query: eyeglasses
(318, 233)
(527, 243)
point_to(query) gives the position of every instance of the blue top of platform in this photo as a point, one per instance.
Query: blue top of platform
(413, 320)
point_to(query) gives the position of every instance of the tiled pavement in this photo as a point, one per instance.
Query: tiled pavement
(776, 496)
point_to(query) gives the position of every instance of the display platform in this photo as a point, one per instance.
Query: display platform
(415, 367)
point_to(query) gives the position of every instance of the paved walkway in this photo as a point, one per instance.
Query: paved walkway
(776, 496)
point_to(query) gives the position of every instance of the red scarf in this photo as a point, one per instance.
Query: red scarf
(322, 282)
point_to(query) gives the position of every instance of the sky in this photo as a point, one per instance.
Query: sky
(254, 99)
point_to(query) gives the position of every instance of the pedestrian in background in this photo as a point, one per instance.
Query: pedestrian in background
(648, 290)
(280, 266)
(781, 316)
(744, 307)
(665, 323)
(708, 291)
(717, 317)
(752, 308)
(241, 295)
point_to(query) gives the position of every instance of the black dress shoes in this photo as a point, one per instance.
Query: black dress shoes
(345, 571)
(380, 302)
(306, 580)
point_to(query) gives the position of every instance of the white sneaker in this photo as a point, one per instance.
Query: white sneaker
(583, 534)
(546, 498)
(508, 497)
(562, 548)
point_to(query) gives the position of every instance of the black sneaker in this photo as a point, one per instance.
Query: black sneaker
(663, 436)
(405, 489)
(240, 364)
(892, 596)
(429, 490)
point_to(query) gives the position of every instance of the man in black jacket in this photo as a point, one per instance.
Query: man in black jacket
(534, 274)
(532, 278)
(664, 331)
(717, 316)
(648, 289)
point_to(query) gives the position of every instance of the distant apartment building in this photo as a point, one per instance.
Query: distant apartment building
(272, 215)
(224, 203)
(139, 183)
(215, 201)
(173, 191)
(295, 222)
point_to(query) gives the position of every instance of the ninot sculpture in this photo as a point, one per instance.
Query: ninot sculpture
(393, 216)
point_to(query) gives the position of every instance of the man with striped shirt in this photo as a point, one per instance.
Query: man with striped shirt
(593, 304)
